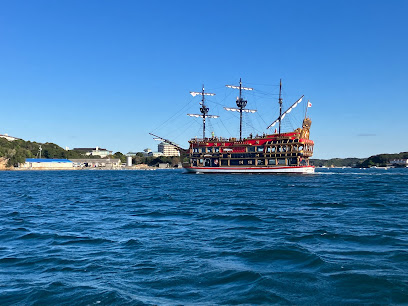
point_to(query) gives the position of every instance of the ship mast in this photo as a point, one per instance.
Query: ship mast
(203, 109)
(282, 115)
(280, 105)
(241, 103)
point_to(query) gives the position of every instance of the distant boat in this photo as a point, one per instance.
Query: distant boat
(279, 152)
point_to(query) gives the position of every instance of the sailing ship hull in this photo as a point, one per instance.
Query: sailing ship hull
(287, 169)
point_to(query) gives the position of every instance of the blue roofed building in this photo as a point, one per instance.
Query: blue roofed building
(46, 164)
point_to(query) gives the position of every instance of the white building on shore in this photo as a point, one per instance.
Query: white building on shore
(94, 151)
(107, 163)
(9, 138)
(164, 149)
(399, 162)
(149, 153)
(168, 149)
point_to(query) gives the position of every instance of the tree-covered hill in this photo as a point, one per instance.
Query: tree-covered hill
(18, 150)
(337, 162)
(381, 160)
(154, 161)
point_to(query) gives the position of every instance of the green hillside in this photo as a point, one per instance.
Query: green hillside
(381, 160)
(336, 162)
(18, 150)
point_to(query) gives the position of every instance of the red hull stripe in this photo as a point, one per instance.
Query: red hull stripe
(253, 168)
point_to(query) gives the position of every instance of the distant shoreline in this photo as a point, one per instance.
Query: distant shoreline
(133, 168)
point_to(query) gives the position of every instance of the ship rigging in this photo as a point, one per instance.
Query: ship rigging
(203, 109)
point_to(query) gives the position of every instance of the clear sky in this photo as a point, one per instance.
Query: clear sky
(106, 73)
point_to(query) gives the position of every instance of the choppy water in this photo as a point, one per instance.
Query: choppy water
(162, 237)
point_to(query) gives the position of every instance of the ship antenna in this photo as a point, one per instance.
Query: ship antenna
(280, 105)
(203, 109)
(240, 88)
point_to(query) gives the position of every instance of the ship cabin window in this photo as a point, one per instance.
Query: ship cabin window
(238, 155)
(208, 150)
(260, 149)
(251, 149)
(279, 149)
(261, 162)
(292, 161)
(195, 150)
(300, 148)
(281, 162)
(201, 160)
(271, 162)
(224, 162)
(216, 150)
(194, 162)
(273, 149)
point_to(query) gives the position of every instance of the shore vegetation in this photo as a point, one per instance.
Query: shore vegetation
(379, 160)
(15, 152)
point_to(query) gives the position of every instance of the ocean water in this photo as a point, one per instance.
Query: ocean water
(163, 237)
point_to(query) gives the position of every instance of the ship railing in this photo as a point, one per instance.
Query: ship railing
(212, 139)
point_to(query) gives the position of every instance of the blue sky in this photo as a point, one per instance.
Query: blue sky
(106, 73)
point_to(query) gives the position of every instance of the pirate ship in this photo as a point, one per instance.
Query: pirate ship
(278, 152)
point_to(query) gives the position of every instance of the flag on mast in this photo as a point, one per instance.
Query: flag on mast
(309, 104)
